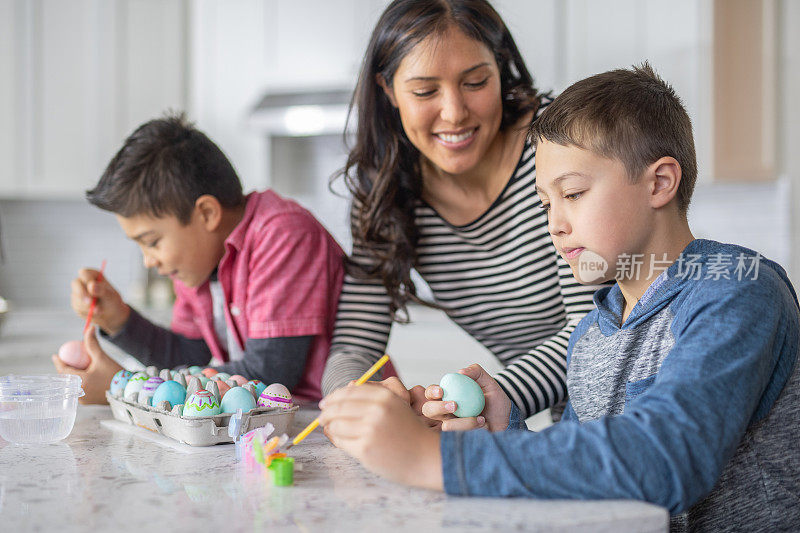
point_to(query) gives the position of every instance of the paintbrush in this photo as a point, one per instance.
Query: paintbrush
(313, 425)
(94, 300)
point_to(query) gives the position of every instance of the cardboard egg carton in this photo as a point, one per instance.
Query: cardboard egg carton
(197, 431)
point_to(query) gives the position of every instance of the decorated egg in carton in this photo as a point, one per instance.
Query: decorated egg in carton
(193, 409)
(277, 396)
(141, 388)
(200, 427)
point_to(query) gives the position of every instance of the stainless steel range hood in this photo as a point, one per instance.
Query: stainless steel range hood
(302, 113)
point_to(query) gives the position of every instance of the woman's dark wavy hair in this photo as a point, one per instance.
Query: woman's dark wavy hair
(383, 168)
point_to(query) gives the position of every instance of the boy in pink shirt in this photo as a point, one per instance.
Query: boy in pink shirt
(257, 278)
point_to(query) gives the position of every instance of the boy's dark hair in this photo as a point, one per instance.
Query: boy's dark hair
(162, 168)
(631, 115)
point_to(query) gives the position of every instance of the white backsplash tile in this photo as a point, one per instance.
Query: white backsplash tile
(47, 242)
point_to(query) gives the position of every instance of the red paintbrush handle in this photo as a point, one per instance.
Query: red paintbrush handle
(94, 300)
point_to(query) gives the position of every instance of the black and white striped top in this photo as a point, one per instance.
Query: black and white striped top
(499, 278)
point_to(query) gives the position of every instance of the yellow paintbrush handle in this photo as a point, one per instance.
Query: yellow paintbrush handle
(303, 434)
(374, 368)
(368, 374)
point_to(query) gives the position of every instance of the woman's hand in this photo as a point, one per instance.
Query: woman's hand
(495, 414)
(375, 426)
(97, 376)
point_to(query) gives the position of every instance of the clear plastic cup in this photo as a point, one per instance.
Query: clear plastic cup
(38, 409)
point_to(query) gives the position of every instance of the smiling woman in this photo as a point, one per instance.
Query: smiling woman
(443, 178)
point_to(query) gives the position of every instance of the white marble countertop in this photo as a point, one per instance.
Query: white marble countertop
(108, 476)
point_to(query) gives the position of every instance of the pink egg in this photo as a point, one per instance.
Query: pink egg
(241, 380)
(223, 387)
(74, 354)
(208, 372)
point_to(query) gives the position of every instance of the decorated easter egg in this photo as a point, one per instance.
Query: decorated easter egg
(465, 392)
(149, 389)
(238, 398)
(201, 403)
(170, 391)
(194, 369)
(258, 385)
(135, 384)
(276, 395)
(240, 380)
(119, 381)
(74, 354)
(208, 371)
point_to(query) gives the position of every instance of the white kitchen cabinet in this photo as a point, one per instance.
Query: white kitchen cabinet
(242, 49)
(564, 41)
(13, 99)
(75, 78)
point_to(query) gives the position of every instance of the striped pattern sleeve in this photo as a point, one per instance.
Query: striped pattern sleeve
(362, 327)
(537, 380)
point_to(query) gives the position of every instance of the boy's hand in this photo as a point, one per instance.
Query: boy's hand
(97, 376)
(494, 416)
(415, 397)
(110, 313)
(379, 429)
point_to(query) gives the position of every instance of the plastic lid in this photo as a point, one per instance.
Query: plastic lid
(42, 388)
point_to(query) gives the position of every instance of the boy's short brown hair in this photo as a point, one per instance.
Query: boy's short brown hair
(162, 169)
(630, 115)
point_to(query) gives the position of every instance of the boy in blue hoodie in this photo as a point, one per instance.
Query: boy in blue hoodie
(683, 383)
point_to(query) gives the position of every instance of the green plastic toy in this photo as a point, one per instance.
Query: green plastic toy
(282, 469)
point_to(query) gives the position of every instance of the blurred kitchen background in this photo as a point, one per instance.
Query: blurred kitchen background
(269, 81)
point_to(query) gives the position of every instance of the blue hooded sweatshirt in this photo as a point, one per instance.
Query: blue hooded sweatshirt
(693, 403)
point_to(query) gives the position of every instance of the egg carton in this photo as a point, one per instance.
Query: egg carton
(198, 431)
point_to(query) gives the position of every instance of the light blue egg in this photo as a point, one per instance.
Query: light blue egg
(194, 369)
(465, 392)
(171, 391)
(223, 376)
(238, 398)
(119, 381)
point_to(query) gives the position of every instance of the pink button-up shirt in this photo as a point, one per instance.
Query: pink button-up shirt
(281, 275)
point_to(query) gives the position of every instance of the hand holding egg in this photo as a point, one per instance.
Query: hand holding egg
(494, 414)
(74, 354)
(96, 377)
